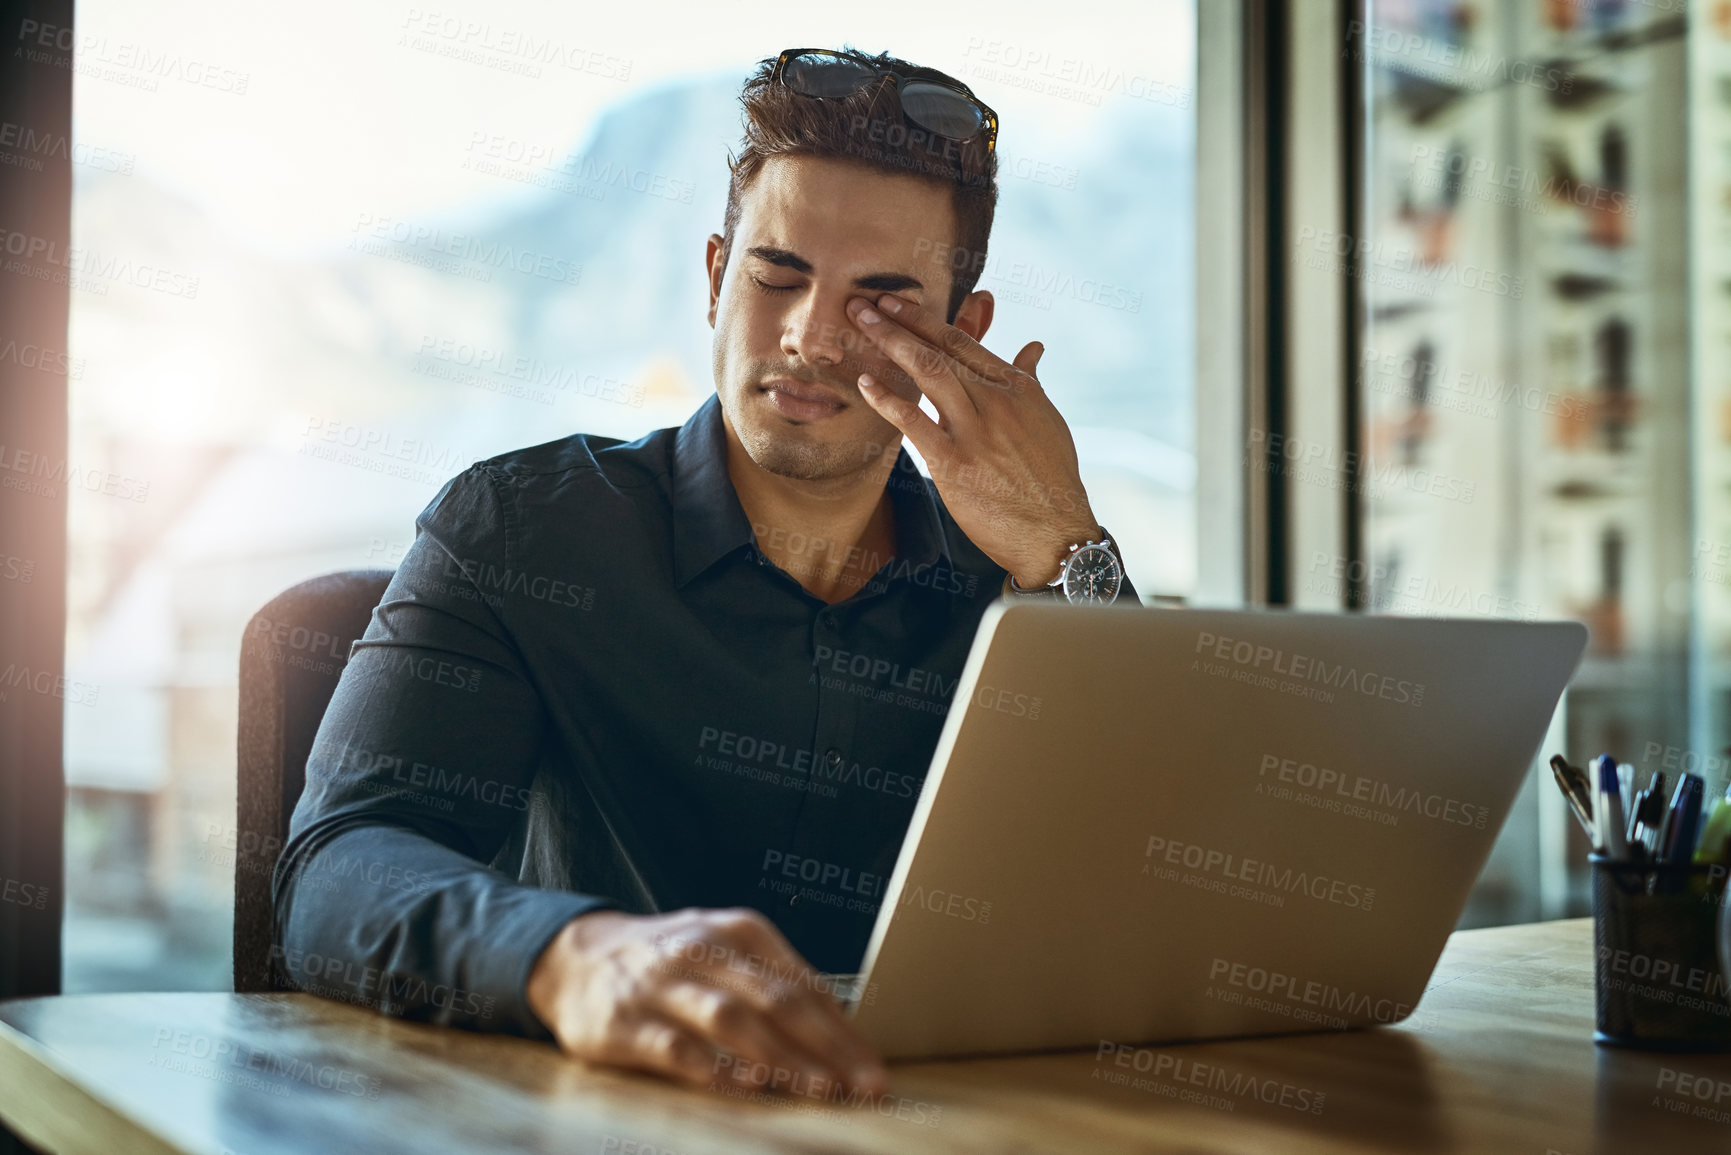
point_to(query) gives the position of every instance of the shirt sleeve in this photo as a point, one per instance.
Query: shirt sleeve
(422, 767)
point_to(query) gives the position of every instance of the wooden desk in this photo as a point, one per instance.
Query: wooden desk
(1498, 1058)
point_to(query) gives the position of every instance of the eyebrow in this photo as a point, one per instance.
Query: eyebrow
(876, 282)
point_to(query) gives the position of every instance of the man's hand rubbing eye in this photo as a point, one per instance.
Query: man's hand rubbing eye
(999, 453)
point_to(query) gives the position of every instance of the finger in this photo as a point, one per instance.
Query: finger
(728, 1020)
(802, 1012)
(977, 367)
(932, 371)
(908, 418)
(663, 1047)
(781, 984)
(1029, 358)
(787, 991)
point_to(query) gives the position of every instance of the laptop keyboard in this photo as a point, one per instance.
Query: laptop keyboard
(844, 988)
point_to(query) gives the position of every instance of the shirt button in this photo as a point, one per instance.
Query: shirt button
(832, 757)
(793, 900)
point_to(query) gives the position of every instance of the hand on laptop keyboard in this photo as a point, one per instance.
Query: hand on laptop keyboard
(699, 996)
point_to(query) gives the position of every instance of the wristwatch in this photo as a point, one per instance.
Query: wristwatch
(1089, 574)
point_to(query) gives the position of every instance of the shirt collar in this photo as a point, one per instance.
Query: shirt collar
(709, 523)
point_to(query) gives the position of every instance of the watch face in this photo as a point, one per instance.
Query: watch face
(1093, 575)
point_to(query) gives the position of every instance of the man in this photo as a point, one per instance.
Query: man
(690, 685)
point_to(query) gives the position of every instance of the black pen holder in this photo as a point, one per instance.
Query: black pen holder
(1657, 973)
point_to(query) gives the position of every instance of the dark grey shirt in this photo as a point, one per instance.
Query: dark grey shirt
(585, 687)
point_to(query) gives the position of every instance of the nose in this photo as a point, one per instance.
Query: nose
(817, 330)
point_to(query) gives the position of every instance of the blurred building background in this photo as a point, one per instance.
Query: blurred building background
(1544, 221)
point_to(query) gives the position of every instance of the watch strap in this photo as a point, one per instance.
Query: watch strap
(1012, 590)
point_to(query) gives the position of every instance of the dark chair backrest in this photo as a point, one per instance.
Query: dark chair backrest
(293, 652)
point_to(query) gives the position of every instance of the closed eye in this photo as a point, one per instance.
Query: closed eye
(769, 288)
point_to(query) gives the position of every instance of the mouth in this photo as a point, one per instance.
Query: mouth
(802, 400)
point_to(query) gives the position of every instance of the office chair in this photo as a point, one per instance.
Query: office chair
(291, 656)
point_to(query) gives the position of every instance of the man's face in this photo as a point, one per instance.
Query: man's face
(812, 233)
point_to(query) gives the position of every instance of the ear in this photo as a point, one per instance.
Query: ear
(975, 315)
(712, 259)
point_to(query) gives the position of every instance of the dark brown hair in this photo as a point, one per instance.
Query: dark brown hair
(868, 128)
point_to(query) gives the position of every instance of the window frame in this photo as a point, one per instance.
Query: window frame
(34, 416)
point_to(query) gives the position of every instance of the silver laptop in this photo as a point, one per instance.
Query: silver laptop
(1159, 825)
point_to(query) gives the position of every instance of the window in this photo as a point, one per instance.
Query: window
(1542, 365)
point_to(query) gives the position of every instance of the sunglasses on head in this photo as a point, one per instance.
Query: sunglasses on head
(937, 104)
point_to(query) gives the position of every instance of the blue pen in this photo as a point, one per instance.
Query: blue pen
(1683, 820)
(1608, 809)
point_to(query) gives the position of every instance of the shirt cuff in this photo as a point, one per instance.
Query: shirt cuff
(518, 944)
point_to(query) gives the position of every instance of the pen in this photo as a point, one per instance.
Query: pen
(1608, 810)
(1583, 784)
(1682, 820)
(1648, 812)
(1580, 802)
